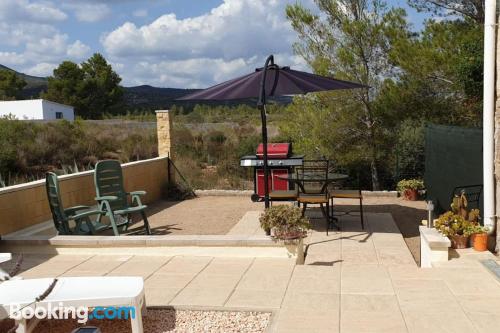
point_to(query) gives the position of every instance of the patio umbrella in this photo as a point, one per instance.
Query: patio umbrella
(270, 81)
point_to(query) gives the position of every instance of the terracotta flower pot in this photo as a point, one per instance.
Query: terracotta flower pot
(480, 241)
(411, 194)
(459, 241)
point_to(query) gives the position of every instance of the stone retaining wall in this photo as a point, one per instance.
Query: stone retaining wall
(25, 205)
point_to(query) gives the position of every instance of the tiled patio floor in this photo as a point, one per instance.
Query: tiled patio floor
(353, 281)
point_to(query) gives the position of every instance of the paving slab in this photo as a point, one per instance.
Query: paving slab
(202, 296)
(311, 279)
(370, 313)
(255, 299)
(143, 266)
(184, 265)
(248, 225)
(483, 311)
(443, 321)
(97, 265)
(366, 279)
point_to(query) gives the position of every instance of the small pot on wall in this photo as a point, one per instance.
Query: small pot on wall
(459, 241)
(480, 241)
(411, 194)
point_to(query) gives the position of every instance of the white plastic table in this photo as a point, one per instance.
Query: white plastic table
(75, 291)
(5, 257)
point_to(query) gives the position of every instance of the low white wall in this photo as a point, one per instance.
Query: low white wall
(433, 247)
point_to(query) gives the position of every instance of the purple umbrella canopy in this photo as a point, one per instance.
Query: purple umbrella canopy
(280, 81)
(270, 81)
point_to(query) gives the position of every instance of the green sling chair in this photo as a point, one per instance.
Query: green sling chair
(113, 199)
(62, 217)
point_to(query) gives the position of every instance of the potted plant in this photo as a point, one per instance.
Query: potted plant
(288, 225)
(479, 238)
(456, 228)
(409, 188)
(285, 222)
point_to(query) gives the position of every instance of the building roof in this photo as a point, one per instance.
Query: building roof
(38, 100)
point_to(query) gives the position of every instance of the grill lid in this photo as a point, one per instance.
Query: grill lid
(275, 150)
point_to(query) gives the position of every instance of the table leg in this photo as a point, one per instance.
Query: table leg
(22, 326)
(136, 322)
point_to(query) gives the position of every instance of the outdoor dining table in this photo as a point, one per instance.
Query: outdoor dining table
(314, 177)
(317, 177)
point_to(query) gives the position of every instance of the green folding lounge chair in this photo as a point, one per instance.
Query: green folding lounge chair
(113, 199)
(62, 217)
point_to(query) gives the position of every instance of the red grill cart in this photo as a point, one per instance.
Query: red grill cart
(280, 162)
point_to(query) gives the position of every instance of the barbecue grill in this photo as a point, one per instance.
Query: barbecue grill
(280, 162)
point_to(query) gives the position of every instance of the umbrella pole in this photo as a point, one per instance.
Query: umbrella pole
(262, 106)
(265, 166)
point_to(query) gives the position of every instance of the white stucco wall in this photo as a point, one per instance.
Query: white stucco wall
(50, 109)
(22, 110)
(35, 109)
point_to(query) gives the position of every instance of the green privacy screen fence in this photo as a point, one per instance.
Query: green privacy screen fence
(453, 158)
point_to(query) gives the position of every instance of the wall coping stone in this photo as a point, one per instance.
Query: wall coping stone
(434, 238)
(215, 192)
(144, 240)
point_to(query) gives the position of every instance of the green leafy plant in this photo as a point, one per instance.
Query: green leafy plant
(410, 184)
(452, 224)
(285, 221)
(478, 229)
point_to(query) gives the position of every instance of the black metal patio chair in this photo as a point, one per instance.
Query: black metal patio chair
(472, 194)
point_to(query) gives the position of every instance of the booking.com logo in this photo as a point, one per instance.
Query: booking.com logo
(81, 313)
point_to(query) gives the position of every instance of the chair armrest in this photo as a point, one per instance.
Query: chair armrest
(137, 193)
(87, 213)
(107, 198)
(74, 209)
(136, 197)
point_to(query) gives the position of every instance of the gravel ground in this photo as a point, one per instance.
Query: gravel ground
(210, 215)
(169, 320)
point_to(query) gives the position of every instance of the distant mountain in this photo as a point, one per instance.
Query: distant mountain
(148, 97)
(34, 86)
(140, 97)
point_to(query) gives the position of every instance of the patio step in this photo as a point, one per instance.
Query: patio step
(172, 245)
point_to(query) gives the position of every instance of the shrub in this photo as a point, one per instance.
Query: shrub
(287, 222)
(410, 184)
(451, 224)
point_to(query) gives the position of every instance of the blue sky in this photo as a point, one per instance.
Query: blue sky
(166, 43)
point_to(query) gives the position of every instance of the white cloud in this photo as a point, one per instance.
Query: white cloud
(196, 72)
(237, 28)
(78, 50)
(32, 11)
(29, 40)
(140, 13)
(89, 12)
(41, 69)
(230, 40)
(12, 59)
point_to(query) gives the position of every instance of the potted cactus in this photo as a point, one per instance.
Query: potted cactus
(460, 223)
(409, 188)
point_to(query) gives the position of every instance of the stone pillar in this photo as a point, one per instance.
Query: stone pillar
(164, 129)
(165, 142)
